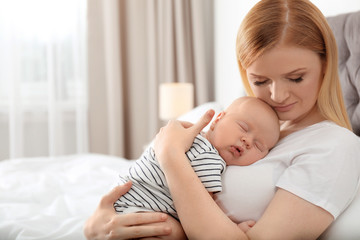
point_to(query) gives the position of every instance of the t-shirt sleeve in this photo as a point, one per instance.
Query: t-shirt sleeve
(326, 175)
(209, 166)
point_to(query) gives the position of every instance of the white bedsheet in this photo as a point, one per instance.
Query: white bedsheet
(50, 198)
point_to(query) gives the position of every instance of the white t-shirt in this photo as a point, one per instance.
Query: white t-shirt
(320, 163)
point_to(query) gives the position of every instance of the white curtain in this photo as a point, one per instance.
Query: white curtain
(43, 86)
(134, 45)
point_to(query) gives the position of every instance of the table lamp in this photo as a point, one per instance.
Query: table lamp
(175, 99)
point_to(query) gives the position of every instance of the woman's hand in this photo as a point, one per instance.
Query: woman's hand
(105, 223)
(177, 232)
(246, 226)
(177, 137)
(201, 217)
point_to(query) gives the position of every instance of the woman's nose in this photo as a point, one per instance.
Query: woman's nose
(279, 92)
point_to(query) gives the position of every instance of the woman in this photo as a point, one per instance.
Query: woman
(287, 57)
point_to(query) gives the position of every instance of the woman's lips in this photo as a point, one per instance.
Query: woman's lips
(284, 108)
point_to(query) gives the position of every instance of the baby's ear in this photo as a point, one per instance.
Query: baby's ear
(218, 117)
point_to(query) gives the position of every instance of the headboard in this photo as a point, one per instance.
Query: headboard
(346, 28)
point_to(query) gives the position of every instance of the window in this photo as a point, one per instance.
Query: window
(43, 86)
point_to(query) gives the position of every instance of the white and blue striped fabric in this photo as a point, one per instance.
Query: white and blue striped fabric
(150, 191)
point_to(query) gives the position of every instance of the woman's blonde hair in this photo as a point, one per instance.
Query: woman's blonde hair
(296, 22)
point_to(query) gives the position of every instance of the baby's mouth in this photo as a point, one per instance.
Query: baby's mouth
(236, 150)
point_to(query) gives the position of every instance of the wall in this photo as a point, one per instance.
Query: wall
(228, 16)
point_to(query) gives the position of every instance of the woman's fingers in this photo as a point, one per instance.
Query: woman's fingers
(246, 226)
(203, 121)
(141, 218)
(139, 232)
(174, 138)
(186, 124)
(137, 225)
(251, 223)
(105, 223)
(110, 198)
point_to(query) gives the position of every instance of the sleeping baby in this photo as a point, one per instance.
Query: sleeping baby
(241, 135)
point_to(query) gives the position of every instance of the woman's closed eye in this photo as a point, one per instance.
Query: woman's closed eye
(296, 80)
(260, 83)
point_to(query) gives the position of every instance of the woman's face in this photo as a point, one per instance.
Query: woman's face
(288, 78)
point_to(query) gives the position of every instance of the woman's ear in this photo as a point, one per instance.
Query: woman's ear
(216, 120)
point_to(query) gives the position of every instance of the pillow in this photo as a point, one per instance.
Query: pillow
(195, 114)
(346, 29)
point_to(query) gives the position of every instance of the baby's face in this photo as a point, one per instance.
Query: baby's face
(245, 133)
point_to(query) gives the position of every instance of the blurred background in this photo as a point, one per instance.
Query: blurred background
(83, 76)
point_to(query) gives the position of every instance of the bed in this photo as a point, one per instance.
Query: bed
(50, 198)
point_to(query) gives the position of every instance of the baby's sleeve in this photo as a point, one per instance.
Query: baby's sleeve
(209, 166)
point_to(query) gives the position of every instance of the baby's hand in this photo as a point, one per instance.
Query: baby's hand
(245, 226)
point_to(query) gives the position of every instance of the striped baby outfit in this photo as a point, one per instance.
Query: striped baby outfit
(150, 192)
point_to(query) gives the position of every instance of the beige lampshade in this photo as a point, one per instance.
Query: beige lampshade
(175, 99)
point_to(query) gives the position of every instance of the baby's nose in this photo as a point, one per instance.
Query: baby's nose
(247, 142)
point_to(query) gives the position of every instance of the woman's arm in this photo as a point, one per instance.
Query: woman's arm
(105, 223)
(199, 214)
(290, 217)
(287, 217)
